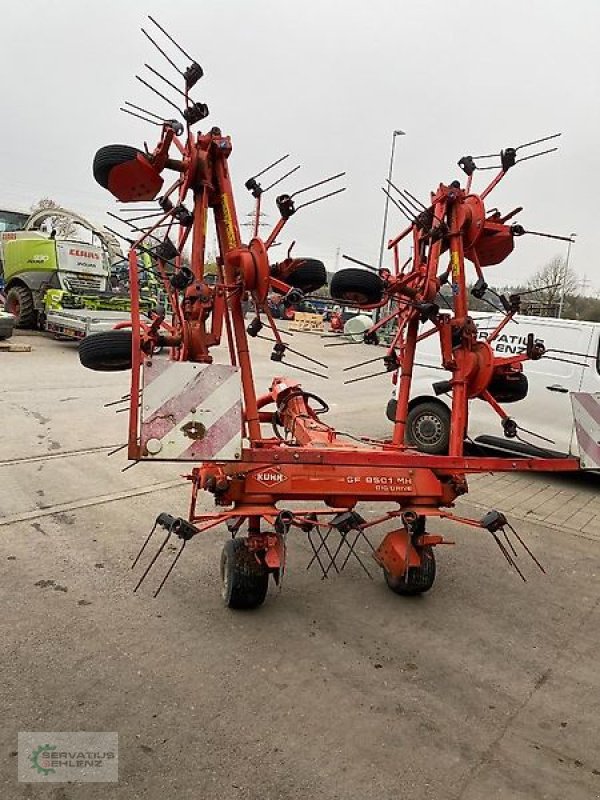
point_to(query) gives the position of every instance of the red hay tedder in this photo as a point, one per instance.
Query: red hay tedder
(256, 453)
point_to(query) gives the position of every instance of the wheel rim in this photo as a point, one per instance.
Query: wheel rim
(428, 429)
(13, 307)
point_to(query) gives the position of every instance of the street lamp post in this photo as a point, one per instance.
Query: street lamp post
(387, 199)
(564, 280)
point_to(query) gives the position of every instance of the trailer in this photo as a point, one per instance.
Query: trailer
(77, 323)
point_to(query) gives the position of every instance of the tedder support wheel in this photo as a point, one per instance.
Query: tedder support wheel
(19, 303)
(509, 388)
(428, 427)
(357, 286)
(308, 276)
(244, 582)
(108, 351)
(419, 579)
(113, 155)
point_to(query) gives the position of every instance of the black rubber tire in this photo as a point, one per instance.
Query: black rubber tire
(112, 156)
(308, 276)
(509, 389)
(244, 582)
(108, 351)
(6, 327)
(390, 409)
(19, 303)
(357, 286)
(419, 579)
(428, 428)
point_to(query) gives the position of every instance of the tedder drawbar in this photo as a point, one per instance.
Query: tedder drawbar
(259, 454)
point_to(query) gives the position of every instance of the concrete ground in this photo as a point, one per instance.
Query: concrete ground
(486, 687)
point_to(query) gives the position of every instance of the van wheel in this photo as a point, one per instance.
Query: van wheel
(19, 303)
(390, 410)
(428, 428)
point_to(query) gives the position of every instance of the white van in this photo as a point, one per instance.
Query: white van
(545, 411)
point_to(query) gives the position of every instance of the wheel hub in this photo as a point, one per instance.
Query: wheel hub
(428, 428)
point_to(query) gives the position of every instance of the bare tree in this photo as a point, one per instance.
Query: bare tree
(64, 227)
(548, 281)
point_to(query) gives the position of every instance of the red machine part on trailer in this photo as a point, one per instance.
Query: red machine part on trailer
(190, 409)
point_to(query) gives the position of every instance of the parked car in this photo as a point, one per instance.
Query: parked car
(546, 410)
(280, 311)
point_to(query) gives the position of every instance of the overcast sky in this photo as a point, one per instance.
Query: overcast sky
(327, 82)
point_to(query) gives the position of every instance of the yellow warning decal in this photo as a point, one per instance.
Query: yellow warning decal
(231, 238)
(455, 261)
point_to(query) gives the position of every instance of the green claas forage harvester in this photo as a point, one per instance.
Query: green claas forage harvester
(60, 285)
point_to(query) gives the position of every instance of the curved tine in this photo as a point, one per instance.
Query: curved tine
(143, 547)
(145, 110)
(160, 94)
(361, 263)
(170, 38)
(283, 177)
(416, 200)
(535, 155)
(305, 369)
(319, 183)
(166, 80)
(153, 562)
(171, 567)
(363, 363)
(318, 199)
(274, 164)
(525, 547)
(366, 377)
(162, 52)
(139, 116)
(539, 141)
(400, 208)
(308, 358)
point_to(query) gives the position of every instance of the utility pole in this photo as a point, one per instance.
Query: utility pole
(584, 283)
(565, 273)
(251, 223)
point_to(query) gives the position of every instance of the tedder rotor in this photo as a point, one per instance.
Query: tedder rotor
(270, 462)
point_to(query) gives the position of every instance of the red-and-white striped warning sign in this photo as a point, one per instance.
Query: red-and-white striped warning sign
(586, 411)
(191, 411)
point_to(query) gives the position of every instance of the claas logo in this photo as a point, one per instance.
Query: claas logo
(83, 253)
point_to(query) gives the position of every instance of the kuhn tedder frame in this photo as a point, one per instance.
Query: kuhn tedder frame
(188, 408)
